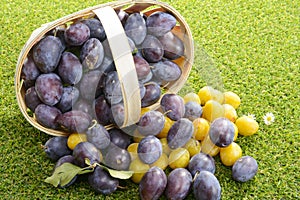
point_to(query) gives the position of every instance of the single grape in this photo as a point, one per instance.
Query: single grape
(86, 150)
(117, 158)
(119, 138)
(70, 68)
(142, 67)
(159, 23)
(102, 110)
(47, 53)
(98, 136)
(96, 28)
(90, 86)
(56, 147)
(153, 184)
(69, 97)
(178, 184)
(31, 98)
(76, 34)
(135, 28)
(201, 162)
(112, 89)
(151, 123)
(74, 121)
(149, 149)
(221, 132)
(173, 106)
(47, 115)
(49, 88)
(152, 94)
(152, 49)
(244, 169)
(206, 186)
(102, 182)
(172, 45)
(166, 71)
(92, 54)
(180, 133)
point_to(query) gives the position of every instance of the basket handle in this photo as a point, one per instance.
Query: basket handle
(124, 63)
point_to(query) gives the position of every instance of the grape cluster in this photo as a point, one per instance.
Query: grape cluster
(70, 76)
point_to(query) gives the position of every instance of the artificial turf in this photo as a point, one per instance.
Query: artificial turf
(252, 48)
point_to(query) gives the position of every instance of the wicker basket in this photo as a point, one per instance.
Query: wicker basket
(106, 13)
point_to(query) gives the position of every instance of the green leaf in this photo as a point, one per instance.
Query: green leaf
(65, 173)
(117, 173)
(112, 172)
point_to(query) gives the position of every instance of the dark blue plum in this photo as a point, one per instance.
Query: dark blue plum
(244, 169)
(206, 187)
(201, 162)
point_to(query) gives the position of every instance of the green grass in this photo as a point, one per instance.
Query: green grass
(254, 46)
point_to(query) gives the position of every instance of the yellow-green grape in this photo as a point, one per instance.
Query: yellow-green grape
(207, 93)
(139, 168)
(165, 147)
(246, 125)
(164, 132)
(193, 146)
(230, 112)
(192, 97)
(236, 131)
(75, 138)
(132, 149)
(162, 162)
(212, 110)
(179, 158)
(208, 147)
(230, 154)
(201, 128)
(232, 99)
